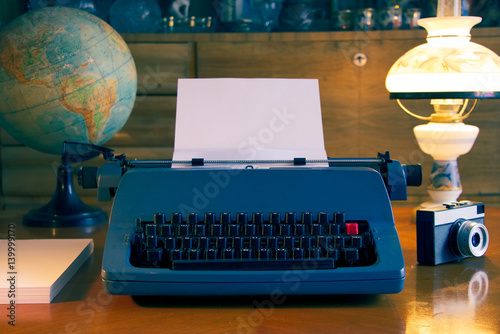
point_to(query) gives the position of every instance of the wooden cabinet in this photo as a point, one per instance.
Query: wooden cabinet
(359, 119)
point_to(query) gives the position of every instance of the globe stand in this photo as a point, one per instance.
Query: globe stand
(65, 209)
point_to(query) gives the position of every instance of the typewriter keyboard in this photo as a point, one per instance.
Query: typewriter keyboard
(251, 241)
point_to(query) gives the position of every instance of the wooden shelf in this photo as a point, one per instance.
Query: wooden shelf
(294, 36)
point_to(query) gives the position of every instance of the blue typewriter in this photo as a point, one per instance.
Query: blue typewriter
(297, 230)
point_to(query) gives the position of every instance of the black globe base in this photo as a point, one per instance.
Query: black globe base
(65, 209)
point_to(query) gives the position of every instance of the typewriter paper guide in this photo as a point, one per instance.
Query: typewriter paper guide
(248, 119)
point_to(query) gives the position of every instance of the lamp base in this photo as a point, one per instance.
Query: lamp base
(445, 142)
(65, 209)
(444, 182)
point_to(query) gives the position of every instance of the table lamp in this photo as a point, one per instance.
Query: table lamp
(449, 70)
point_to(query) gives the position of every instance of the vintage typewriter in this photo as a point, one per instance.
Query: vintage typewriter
(222, 231)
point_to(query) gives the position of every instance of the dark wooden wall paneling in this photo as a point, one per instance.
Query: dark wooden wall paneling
(359, 120)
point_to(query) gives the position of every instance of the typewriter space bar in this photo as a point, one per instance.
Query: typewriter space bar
(253, 265)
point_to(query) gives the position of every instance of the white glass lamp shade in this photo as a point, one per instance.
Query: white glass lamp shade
(449, 63)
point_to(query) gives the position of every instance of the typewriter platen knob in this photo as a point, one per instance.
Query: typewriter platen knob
(413, 174)
(87, 177)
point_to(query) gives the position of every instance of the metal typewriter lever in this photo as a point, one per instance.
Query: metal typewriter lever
(396, 176)
(79, 152)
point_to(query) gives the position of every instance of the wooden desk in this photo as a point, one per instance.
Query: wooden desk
(452, 298)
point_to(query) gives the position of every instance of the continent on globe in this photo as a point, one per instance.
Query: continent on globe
(65, 75)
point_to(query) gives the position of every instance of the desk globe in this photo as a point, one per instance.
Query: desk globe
(65, 75)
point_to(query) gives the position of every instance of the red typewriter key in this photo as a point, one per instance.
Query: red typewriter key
(351, 228)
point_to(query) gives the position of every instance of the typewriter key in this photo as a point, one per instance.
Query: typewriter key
(241, 218)
(285, 229)
(339, 217)
(351, 228)
(211, 254)
(150, 229)
(314, 253)
(255, 242)
(200, 230)
(192, 218)
(264, 254)
(159, 218)
(152, 241)
(154, 256)
(225, 218)
(238, 243)
(209, 218)
(216, 229)
(203, 242)
(267, 229)
(233, 230)
(289, 242)
(323, 218)
(183, 229)
(275, 218)
(258, 218)
(249, 230)
(165, 230)
(298, 253)
(299, 229)
(245, 253)
(193, 254)
(221, 242)
(290, 218)
(281, 254)
(307, 218)
(176, 218)
(351, 254)
(228, 254)
(316, 229)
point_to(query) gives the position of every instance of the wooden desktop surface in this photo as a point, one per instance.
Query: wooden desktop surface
(461, 297)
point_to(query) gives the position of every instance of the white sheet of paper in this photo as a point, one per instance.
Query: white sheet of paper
(248, 119)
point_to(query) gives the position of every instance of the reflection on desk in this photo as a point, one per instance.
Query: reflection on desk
(450, 294)
(458, 297)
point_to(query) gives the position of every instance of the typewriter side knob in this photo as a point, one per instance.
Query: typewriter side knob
(399, 177)
(87, 177)
(413, 175)
(105, 179)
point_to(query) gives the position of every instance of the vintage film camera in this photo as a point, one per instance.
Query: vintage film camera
(451, 232)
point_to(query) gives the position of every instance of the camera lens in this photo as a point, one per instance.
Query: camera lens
(469, 238)
(476, 239)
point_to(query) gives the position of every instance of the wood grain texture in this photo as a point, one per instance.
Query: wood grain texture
(329, 62)
(10, 9)
(359, 119)
(435, 298)
(159, 65)
(152, 123)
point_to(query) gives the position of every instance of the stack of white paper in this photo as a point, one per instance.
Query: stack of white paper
(34, 271)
